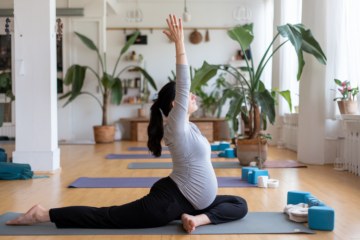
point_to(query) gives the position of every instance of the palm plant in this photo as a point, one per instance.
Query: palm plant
(251, 92)
(109, 84)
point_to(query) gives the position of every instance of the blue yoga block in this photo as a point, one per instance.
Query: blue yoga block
(223, 146)
(222, 154)
(214, 147)
(321, 218)
(245, 172)
(255, 174)
(3, 157)
(296, 197)
(229, 153)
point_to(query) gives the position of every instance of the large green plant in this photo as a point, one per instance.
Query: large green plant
(109, 84)
(252, 92)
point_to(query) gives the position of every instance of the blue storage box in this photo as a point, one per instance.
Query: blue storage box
(214, 147)
(296, 197)
(245, 172)
(222, 154)
(229, 153)
(252, 178)
(321, 218)
(223, 146)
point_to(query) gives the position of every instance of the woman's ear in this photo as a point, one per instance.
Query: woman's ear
(173, 103)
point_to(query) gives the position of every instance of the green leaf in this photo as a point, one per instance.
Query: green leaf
(267, 104)
(204, 74)
(261, 86)
(116, 91)
(75, 75)
(228, 93)
(287, 96)
(301, 63)
(292, 33)
(311, 46)
(107, 81)
(5, 80)
(87, 42)
(246, 69)
(234, 110)
(242, 35)
(130, 42)
(263, 117)
(249, 27)
(65, 95)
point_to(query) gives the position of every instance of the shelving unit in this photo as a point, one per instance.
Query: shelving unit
(132, 91)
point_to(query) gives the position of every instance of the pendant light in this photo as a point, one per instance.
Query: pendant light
(186, 15)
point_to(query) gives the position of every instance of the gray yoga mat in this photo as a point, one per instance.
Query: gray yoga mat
(253, 222)
(146, 182)
(143, 156)
(169, 165)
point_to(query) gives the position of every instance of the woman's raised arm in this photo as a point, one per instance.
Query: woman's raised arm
(177, 35)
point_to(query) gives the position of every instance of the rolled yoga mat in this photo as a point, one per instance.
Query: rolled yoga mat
(252, 223)
(146, 182)
(169, 165)
(143, 156)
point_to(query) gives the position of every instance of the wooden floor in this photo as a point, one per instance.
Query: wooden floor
(340, 190)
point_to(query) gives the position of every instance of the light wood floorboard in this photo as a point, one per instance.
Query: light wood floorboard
(340, 190)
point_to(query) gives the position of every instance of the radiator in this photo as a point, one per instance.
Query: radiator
(290, 132)
(8, 130)
(351, 154)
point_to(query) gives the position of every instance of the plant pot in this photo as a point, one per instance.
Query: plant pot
(142, 112)
(248, 149)
(296, 109)
(348, 107)
(104, 134)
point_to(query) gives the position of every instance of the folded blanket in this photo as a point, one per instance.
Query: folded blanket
(12, 171)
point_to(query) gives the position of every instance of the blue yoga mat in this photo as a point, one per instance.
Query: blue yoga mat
(143, 156)
(146, 182)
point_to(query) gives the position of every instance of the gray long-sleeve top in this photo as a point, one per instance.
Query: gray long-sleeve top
(190, 150)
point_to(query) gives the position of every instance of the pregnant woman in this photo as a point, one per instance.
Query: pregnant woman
(189, 193)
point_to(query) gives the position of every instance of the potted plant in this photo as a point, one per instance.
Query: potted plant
(109, 85)
(251, 92)
(346, 104)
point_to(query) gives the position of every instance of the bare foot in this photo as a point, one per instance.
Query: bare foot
(188, 222)
(35, 215)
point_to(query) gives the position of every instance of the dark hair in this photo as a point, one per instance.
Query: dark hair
(156, 126)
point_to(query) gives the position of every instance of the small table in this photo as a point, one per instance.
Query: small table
(210, 127)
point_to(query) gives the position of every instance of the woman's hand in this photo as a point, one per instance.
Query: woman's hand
(176, 29)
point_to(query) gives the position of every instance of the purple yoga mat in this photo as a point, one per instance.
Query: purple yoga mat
(145, 182)
(143, 156)
(145, 149)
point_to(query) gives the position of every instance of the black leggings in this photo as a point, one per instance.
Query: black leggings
(162, 205)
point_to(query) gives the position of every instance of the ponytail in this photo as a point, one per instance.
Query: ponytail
(155, 130)
(162, 105)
